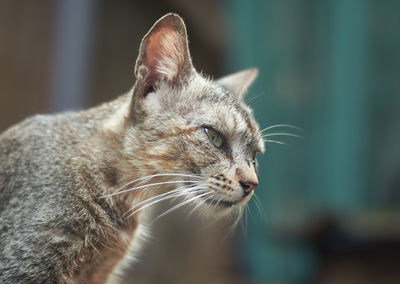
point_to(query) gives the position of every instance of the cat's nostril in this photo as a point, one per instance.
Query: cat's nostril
(247, 186)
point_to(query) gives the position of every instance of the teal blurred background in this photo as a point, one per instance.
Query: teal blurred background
(333, 69)
(330, 202)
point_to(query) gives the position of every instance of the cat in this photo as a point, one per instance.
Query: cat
(74, 186)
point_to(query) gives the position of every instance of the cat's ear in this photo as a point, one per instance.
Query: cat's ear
(164, 53)
(238, 83)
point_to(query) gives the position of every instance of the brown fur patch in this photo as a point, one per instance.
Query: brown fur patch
(176, 132)
(111, 175)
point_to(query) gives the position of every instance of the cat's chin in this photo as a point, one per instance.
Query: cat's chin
(224, 207)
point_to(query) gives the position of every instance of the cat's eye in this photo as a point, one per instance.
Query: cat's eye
(215, 138)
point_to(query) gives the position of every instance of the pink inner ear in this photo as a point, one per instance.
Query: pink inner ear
(164, 53)
(153, 48)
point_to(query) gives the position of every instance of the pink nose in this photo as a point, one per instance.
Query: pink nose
(248, 186)
(247, 179)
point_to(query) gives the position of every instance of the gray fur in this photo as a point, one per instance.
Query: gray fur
(60, 223)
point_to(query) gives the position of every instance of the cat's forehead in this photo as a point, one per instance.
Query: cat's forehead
(217, 107)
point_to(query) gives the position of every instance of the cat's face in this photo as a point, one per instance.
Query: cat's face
(190, 129)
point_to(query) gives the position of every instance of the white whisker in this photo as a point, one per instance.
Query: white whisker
(166, 197)
(201, 202)
(248, 100)
(283, 134)
(259, 206)
(244, 219)
(282, 125)
(275, 141)
(147, 185)
(240, 213)
(217, 203)
(180, 190)
(230, 231)
(179, 205)
(153, 176)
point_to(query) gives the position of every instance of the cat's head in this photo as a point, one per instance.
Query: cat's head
(186, 127)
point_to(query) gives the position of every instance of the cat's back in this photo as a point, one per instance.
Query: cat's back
(35, 168)
(41, 150)
(28, 148)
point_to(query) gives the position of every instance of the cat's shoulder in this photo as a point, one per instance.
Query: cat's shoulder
(67, 122)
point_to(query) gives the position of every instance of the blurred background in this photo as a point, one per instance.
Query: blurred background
(330, 202)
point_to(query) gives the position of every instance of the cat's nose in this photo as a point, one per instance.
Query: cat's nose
(248, 186)
(247, 180)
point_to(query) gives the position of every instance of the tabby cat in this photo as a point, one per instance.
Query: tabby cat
(74, 186)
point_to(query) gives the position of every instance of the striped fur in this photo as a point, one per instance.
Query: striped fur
(75, 187)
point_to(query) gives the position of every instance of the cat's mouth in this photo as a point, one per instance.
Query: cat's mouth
(221, 203)
(226, 203)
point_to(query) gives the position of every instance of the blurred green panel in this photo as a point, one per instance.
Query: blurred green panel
(346, 108)
(313, 62)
